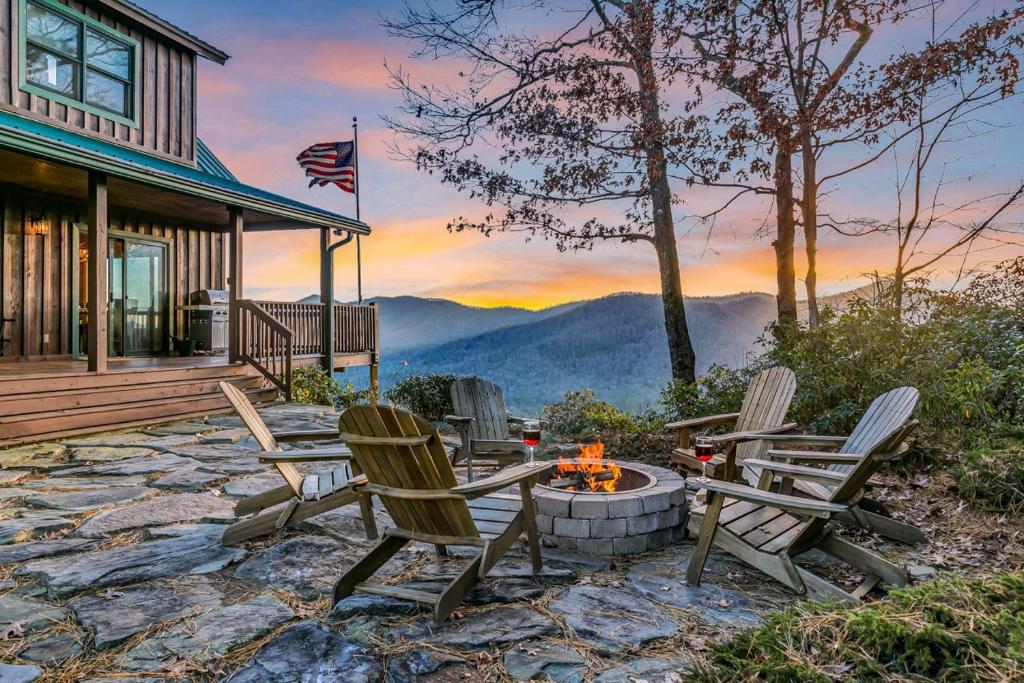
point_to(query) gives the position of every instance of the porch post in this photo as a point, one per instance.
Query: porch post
(327, 299)
(97, 284)
(236, 223)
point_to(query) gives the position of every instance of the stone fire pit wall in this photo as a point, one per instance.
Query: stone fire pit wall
(620, 523)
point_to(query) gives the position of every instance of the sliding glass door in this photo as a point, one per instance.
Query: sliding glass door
(137, 272)
(138, 297)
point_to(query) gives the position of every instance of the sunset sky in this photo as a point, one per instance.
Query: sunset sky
(300, 70)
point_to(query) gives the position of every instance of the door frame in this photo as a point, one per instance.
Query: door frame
(166, 242)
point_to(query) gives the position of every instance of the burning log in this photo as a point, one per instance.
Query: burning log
(588, 472)
(582, 479)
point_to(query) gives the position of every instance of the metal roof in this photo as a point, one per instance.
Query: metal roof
(209, 163)
(90, 153)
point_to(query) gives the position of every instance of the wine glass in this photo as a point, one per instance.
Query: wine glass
(531, 437)
(704, 450)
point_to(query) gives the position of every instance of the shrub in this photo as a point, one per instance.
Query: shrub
(428, 396)
(580, 415)
(721, 390)
(947, 630)
(315, 386)
(963, 350)
(992, 475)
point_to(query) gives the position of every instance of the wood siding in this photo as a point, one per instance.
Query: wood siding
(165, 91)
(37, 277)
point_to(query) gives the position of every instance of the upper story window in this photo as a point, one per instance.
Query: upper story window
(77, 58)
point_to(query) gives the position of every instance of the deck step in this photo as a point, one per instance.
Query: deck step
(42, 409)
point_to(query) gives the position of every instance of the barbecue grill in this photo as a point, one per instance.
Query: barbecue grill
(208, 319)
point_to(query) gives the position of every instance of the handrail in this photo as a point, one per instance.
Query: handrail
(265, 344)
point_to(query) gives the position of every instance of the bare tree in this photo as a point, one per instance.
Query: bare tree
(560, 118)
(802, 85)
(930, 226)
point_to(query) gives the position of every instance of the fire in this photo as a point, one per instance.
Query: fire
(590, 463)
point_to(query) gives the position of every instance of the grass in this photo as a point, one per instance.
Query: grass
(949, 630)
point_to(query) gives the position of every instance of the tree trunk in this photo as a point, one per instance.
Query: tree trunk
(810, 214)
(680, 347)
(786, 233)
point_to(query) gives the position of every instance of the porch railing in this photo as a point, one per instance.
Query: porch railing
(272, 332)
(355, 326)
(265, 344)
(304, 322)
(356, 329)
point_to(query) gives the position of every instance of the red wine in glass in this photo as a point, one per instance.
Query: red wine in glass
(704, 450)
(531, 436)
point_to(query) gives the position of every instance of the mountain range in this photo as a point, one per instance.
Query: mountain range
(615, 345)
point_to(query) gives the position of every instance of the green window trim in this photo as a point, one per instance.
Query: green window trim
(86, 24)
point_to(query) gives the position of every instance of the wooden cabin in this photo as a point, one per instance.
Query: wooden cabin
(114, 213)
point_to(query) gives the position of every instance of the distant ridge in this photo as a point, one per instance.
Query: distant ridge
(614, 345)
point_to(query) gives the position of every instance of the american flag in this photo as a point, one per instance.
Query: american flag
(330, 162)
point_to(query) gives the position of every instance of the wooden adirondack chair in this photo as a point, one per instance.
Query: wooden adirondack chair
(482, 419)
(887, 412)
(305, 495)
(406, 465)
(768, 530)
(763, 412)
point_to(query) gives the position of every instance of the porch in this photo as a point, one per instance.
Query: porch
(102, 246)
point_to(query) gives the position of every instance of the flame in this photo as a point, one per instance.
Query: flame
(591, 460)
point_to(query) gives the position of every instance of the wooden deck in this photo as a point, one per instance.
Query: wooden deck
(29, 369)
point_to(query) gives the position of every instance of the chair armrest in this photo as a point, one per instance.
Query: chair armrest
(709, 421)
(748, 435)
(815, 457)
(519, 420)
(797, 471)
(458, 419)
(803, 506)
(408, 494)
(305, 435)
(360, 440)
(308, 455)
(504, 478)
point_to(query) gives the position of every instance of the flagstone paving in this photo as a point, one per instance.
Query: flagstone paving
(111, 563)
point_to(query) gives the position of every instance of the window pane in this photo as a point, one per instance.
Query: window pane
(52, 30)
(106, 92)
(108, 54)
(51, 71)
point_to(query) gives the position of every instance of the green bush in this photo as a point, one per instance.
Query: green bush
(991, 475)
(721, 390)
(315, 386)
(580, 415)
(947, 630)
(428, 396)
(964, 351)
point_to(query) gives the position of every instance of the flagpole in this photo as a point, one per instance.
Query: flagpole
(359, 249)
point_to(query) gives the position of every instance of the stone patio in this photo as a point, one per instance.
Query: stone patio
(111, 568)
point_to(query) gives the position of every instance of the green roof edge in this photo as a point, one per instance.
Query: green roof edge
(41, 139)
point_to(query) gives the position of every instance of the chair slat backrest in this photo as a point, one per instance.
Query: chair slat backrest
(765, 405)
(483, 401)
(259, 430)
(420, 467)
(886, 413)
(857, 477)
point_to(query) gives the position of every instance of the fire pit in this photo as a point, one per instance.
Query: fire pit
(594, 505)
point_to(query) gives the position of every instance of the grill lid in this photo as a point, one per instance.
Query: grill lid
(209, 297)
